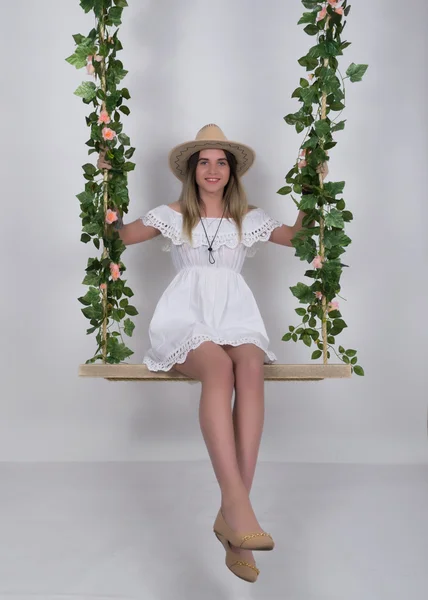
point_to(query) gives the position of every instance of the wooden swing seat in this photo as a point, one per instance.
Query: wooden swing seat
(275, 372)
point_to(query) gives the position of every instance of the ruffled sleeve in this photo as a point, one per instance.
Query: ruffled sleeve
(167, 222)
(258, 227)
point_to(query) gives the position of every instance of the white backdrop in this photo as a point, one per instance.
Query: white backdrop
(234, 64)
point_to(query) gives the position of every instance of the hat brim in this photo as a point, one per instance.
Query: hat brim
(179, 155)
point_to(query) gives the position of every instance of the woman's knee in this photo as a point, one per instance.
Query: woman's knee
(208, 362)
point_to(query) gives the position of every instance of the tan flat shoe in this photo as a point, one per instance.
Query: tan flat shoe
(241, 568)
(248, 541)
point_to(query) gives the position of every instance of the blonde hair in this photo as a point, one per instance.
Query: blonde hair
(234, 196)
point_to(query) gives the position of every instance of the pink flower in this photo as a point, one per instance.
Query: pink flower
(333, 305)
(317, 262)
(114, 271)
(90, 69)
(104, 117)
(108, 134)
(311, 76)
(103, 286)
(303, 152)
(333, 2)
(111, 216)
(318, 295)
(301, 164)
(89, 58)
(339, 10)
(98, 58)
(321, 15)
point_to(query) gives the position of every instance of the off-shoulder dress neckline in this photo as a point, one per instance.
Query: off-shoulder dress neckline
(212, 218)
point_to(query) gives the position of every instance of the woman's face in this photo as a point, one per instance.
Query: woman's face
(212, 170)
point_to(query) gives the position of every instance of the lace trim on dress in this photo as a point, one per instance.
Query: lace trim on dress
(230, 239)
(180, 354)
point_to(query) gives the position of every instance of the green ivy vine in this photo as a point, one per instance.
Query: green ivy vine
(321, 94)
(107, 301)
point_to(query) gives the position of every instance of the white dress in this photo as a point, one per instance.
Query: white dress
(206, 301)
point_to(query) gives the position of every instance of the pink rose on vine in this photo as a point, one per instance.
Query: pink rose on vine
(111, 216)
(114, 271)
(108, 134)
(104, 117)
(333, 305)
(322, 13)
(317, 262)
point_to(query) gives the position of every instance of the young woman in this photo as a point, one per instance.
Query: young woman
(207, 324)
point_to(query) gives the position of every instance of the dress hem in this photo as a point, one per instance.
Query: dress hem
(180, 355)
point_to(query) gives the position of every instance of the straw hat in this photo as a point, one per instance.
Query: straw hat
(210, 136)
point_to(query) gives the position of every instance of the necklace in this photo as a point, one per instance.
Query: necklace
(210, 244)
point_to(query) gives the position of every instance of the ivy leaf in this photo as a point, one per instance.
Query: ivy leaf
(87, 90)
(128, 327)
(302, 292)
(307, 17)
(338, 126)
(311, 29)
(322, 128)
(308, 202)
(356, 72)
(334, 218)
(284, 190)
(333, 188)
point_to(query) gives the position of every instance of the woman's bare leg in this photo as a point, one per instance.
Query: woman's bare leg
(248, 409)
(210, 364)
(248, 413)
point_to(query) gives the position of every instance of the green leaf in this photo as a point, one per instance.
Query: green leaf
(286, 337)
(356, 72)
(308, 202)
(322, 128)
(334, 219)
(358, 370)
(316, 354)
(92, 278)
(304, 83)
(338, 126)
(336, 106)
(307, 340)
(87, 90)
(128, 327)
(85, 238)
(131, 310)
(284, 190)
(311, 29)
(302, 292)
(300, 311)
(307, 17)
(128, 292)
(121, 3)
(351, 352)
(87, 5)
(333, 188)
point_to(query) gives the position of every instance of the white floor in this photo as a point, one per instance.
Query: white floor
(122, 531)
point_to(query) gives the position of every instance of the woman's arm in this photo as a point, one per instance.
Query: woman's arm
(136, 232)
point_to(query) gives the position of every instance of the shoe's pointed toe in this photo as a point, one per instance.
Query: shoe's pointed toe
(249, 541)
(241, 568)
